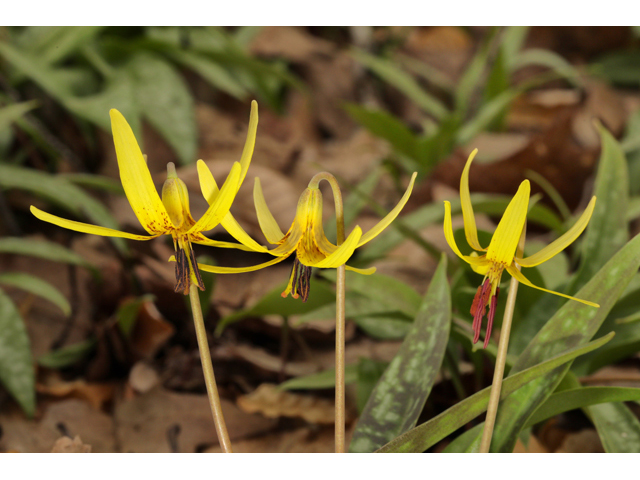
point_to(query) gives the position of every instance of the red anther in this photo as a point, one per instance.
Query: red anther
(478, 307)
(492, 314)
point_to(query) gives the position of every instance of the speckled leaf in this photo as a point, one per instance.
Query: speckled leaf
(573, 325)
(166, 102)
(429, 433)
(608, 229)
(400, 395)
(37, 286)
(16, 364)
(617, 426)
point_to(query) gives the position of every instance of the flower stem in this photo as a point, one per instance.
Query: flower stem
(207, 369)
(501, 358)
(340, 311)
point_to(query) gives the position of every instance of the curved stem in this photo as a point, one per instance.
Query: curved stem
(207, 369)
(501, 358)
(340, 313)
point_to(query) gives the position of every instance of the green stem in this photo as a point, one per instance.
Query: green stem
(340, 312)
(207, 369)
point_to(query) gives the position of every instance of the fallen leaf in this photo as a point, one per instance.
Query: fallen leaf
(98, 395)
(67, 445)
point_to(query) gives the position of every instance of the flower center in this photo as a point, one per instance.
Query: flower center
(487, 294)
(300, 281)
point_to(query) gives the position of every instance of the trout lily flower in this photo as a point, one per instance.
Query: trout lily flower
(501, 253)
(306, 236)
(171, 215)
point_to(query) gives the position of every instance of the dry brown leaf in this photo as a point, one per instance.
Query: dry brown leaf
(98, 395)
(272, 402)
(67, 445)
(292, 43)
(150, 331)
(584, 441)
(534, 446)
(160, 421)
(264, 360)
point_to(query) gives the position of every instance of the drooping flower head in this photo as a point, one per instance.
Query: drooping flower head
(306, 236)
(171, 215)
(501, 253)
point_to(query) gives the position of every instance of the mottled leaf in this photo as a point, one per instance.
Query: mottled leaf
(617, 426)
(399, 397)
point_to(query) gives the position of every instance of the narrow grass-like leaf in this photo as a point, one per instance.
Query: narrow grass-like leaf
(41, 249)
(166, 102)
(16, 365)
(10, 113)
(37, 286)
(403, 82)
(608, 230)
(573, 325)
(324, 379)
(617, 426)
(429, 433)
(399, 397)
(68, 355)
(273, 304)
(575, 398)
(549, 59)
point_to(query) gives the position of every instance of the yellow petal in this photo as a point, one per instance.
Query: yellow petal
(477, 262)
(362, 271)
(202, 240)
(86, 227)
(343, 252)
(502, 248)
(136, 179)
(214, 269)
(210, 190)
(561, 243)
(384, 223)
(268, 224)
(517, 274)
(250, 143)
(220, 206)
(470, 230)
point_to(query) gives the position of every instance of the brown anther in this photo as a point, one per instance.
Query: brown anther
(301, 283)
(492, 314)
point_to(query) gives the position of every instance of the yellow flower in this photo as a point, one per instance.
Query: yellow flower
(501, 253)
(306, 236)
(171, 215)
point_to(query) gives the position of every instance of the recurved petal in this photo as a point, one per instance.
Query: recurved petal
(362, 271)
(561, 243)
(517, 274)
(343, 252)
(202, 240)
(210, 190)
(220, 206)
(477, 262)
(470, 230)
(86, 227)
(250, 143)
(268, 224)
(136, 179)
(384, 223)
(214, 269)
(504, 242)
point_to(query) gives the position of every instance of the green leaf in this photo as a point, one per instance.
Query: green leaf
(468, 442)
(473, 74)
(166, 102)
(321, 380)
(573, 325)
(41, 249)
(399, 397)
(551, 60)
(617, 426)
(127, 313)
(429, 433)
(274, 304)
(579, 398)
(622, 68)
(403, 82)
(369, 373)
(37, 286)
(512, 40)
(10, 113)
(98, 182)
(68, 355)
(608, 230)
(69, 40)
(16, 365)
(383, 326)
(387, 126)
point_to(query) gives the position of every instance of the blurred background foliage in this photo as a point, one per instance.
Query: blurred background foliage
(371, 105)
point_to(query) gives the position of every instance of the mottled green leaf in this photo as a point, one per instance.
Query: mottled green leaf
(369, 373)
(567, 400)
(429, 433)
(68, 355)
(573, 325)
(468, 442)
(399, 397)
(166, 102)
(617, 426)
(37, 286)
(324, 379)
(16, 365)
